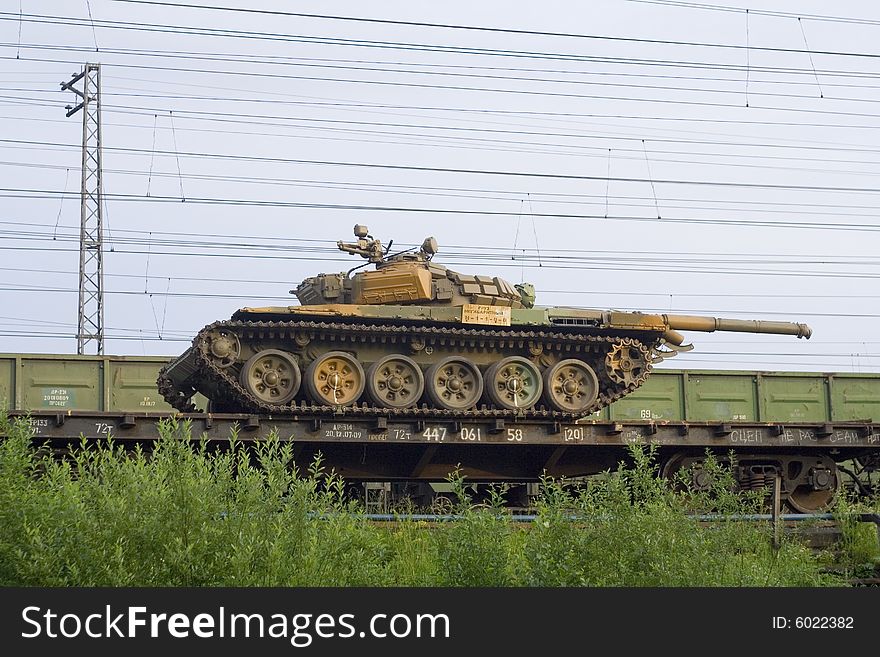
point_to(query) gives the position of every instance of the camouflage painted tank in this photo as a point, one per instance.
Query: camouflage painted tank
(414, 338)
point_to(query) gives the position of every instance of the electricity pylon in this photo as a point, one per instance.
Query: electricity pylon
(90, 324)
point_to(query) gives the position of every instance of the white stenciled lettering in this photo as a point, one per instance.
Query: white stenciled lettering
(745, 436)
(631, 436)
(434, 434)
(470, 433)
(807, 435)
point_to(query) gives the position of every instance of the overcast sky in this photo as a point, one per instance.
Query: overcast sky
(645, 155)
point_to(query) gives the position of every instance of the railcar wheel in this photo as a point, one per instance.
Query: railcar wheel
(395, 381)
(698, 477)
(571, 386)
(442, 505)
(272, 376)
(335, 378)
(514, 383)
(454, 383)
(817, 493)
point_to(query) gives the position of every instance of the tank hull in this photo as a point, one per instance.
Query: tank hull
(414, 361)
(428, 361)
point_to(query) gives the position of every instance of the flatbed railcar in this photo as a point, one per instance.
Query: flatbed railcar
(798, 426)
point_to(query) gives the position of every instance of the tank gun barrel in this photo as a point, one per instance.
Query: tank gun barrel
(711, 324)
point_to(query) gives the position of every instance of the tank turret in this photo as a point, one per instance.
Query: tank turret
(407, 277)
(413, 338)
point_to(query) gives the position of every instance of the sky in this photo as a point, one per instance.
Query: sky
(647, 155)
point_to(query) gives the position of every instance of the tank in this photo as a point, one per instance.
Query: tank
(412, 338)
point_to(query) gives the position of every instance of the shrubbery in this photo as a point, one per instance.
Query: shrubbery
(185, 515)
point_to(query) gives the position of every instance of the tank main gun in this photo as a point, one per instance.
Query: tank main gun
(711, 324)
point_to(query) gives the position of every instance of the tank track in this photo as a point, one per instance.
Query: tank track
(236, 396)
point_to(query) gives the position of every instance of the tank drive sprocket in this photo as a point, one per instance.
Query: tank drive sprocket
(627, 361)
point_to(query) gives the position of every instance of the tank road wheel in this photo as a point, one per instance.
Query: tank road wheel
(817, 492)
(222, 346)
(336, 379)
(514, 383)
(395, 382)
(454, 383)
(626, 363)
(571, 386)
(271, 376)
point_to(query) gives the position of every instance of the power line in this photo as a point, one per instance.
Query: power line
(504, 195)
(299, 245)
(499, 265)
(486, 144)
(291, 61)
(592, 59)
(508, 78)
(477, 28)
(522, 92)
(362, 130)
(42, 194)
(497, 172)
(544, 115)
(760, 12)
(360, 107)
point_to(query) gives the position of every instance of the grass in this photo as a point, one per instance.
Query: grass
(187, 515)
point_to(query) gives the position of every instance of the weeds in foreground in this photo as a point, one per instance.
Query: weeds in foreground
(187, 514)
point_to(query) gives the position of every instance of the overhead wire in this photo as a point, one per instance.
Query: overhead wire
(475, 28)
(543, 115)
(758, 11)
(520, 92)
(455, 141)
(22, 193)
(494, 194)
(328, 248)
(483, 76)
(587, 264)
(457, 170)
(242, 118)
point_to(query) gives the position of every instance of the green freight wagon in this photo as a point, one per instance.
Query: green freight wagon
(792, 426)
(30, 382)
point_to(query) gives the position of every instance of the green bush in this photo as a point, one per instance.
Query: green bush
(857, 553)
(192, 514)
